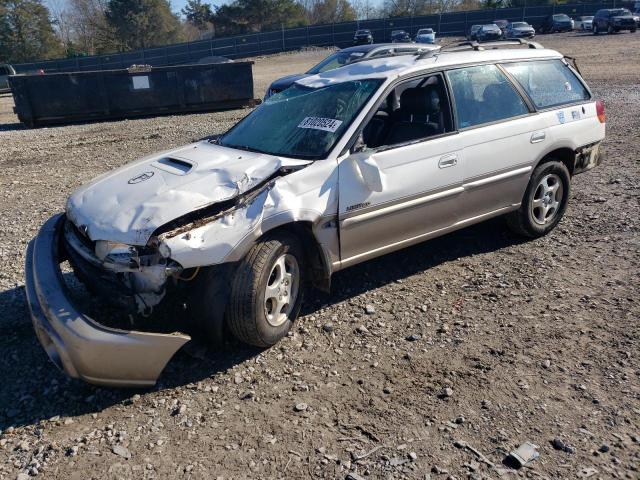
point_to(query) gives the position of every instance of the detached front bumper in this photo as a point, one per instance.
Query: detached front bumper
(78, 345)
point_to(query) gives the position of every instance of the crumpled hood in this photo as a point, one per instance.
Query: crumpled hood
(128, 204)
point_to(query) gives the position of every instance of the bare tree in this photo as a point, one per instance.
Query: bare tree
(61, 21)
(366, 9)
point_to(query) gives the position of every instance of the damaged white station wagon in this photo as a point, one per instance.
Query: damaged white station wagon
(339, 168)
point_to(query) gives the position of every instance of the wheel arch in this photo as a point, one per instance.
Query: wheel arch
(565, 155)
(303, 227)
(319, 266)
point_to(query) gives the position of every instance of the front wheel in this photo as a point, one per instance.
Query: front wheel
(266, 292)
(594, 29)
(544, 201)
(609, 29)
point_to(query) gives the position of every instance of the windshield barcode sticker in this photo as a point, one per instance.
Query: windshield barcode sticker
(319, 123)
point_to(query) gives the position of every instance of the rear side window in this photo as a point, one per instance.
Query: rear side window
(549, 83)
(483, 94)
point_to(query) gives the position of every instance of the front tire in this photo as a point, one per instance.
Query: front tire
(266, 292)
(594, 29)
(544, 201)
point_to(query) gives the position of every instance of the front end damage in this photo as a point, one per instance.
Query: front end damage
(76, 343)
(141, 246)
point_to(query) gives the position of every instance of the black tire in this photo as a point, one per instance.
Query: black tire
(522, 221)
(247, 311)
(594, 29)
(609, 29)
(633, 30)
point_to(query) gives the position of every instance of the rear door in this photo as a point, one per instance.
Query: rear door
(500, 136)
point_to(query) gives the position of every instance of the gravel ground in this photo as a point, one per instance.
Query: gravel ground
(432, 362)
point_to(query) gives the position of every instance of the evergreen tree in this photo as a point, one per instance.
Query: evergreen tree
(247, 16)
(198, 14)
(26, 32)
(143, 23)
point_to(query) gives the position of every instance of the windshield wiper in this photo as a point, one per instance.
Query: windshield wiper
(245, 148)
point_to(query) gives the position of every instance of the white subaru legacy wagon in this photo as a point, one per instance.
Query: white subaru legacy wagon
(339, 168)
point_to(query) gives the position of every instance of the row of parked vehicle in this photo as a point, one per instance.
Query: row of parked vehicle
(609, 20)
(424, 35)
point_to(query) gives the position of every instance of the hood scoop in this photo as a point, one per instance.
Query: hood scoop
(175, 166)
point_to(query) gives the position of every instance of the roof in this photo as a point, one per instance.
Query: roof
(393, 67)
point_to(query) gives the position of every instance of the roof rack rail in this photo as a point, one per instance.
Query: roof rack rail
(477, 46)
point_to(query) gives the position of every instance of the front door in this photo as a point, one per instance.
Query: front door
(405, 184)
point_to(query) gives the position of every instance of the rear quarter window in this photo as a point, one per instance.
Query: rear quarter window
(549, 83)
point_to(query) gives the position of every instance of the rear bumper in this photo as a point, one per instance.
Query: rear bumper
(588, 157)
(78, 345)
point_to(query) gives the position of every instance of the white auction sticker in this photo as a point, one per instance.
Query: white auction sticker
(319, 123)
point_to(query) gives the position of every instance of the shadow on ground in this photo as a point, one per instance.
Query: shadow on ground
(33, 389)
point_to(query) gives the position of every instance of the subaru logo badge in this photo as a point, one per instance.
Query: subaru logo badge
(140, 178)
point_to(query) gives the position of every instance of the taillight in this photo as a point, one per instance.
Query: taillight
(600, 110)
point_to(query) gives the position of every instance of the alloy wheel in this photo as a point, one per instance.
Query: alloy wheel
(282, 288)
(547, 199)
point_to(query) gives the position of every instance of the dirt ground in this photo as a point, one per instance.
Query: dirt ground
(474, 342)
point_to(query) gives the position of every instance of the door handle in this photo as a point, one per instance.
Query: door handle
(538, 137)
(448, 161)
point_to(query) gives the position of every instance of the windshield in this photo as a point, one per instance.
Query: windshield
(363, 32)
(519, 24)
(425, 31)
(561, 17)
(587, 18)
(336, 60)
(301, 122)
(621, 12)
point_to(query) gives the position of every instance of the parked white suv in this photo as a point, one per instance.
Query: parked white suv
(339, 168)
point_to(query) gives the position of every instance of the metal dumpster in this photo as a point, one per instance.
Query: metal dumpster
(137, 91)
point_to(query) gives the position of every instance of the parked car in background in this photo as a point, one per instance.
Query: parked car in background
(362, 37)
(400, 36)
(489, 32)
(473, 32)
(519, 30)
(5, 71)
(611, 20)
(502, 24)
(556, 23)
(426, 35)
(583, 23)
(342, 167)
(347, 56)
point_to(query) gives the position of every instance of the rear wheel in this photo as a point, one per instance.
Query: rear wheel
(609, 29)
(544, 201)
(266, 293)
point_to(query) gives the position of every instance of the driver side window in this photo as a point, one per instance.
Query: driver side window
(414, 110)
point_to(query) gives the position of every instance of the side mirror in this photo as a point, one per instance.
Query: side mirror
(370, 173)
